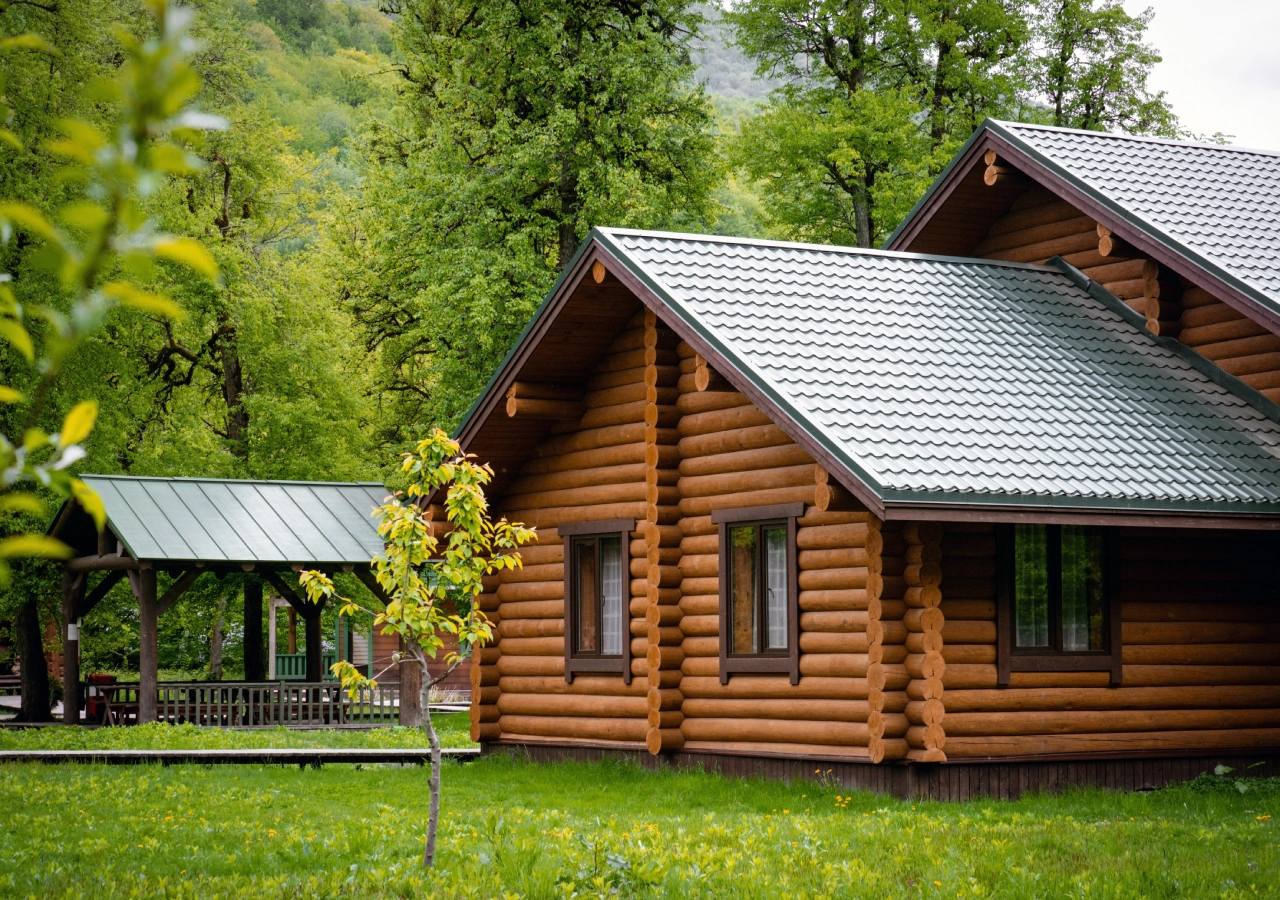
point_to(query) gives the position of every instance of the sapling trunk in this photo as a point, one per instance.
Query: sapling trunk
(433, 816)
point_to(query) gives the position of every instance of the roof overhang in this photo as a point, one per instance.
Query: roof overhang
(836, 459)
(994, 135)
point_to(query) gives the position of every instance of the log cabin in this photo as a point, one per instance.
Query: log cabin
(995, 508)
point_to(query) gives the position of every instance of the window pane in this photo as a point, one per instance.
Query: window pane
(611, 582)
(1081, 588)
(775, 569)
(587, 596)
(742, 588)
(1030, 586)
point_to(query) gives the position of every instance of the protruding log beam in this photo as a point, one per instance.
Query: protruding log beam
(598, 271)
(1110, 245)
(706, 378)
(185, 580)
(990, 157)
(102, 563)
(537, 400)
(100, 590)
(1005, 176)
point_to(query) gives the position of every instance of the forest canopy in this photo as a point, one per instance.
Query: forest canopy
(399, 184)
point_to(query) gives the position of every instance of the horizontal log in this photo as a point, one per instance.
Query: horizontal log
(637, 358)
(833, 579)
(1034, 234)
(591, 439)
(637, 392)
(779, 730)
(489, 731)
(1250, 365)
(736, 418)
(700, 666)
(599, 458)
(539, 646)
(1112, 698)
(665, 375)
(1218, 332)
(572, 705)
(747, 481)
(530, 573)
(700, 626)
(1203, 632)
(547, 518)
(1193, 297)
(1201, 654)
(530, 628)
(982, 610)
(1124, 270)
(1040, 252)
(828, 642)
(572, 479)
(531, 665)
(833, 600)
(703, 506)
(774, 687)
(785, 750)
(571, 410)
(822, 710)
(832, 537)
(1224, 674)
(581, 728)
(700, 545)
(1240, 347)
(702, 645)
(694, 403)
(1196, 316)
(699, 605)
(848, 557)
(535, 591)
(1020, 220)
(770, 457)
(718, 443)
(1172, 741)
(835, 621)
(583, 683)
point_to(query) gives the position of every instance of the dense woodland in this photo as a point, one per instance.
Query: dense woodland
(401, 183)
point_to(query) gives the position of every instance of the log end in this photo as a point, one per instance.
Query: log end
(597, 271)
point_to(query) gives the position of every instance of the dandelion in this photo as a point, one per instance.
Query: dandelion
(1262, 818)
(938, 883)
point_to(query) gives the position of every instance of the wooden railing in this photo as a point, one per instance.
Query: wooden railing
(260, 705)
(293, 666)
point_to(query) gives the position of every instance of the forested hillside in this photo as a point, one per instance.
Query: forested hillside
(399, 183)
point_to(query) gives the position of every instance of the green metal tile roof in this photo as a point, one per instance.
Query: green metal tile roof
(949, 380)
(223, 520)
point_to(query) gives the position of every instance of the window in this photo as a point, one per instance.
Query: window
(759, 625)
(597, 581)
(1055, 600)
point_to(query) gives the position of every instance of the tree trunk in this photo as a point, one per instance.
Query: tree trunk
(433, 820)
(569, 209)
(35, 671)
(411, 682)
(237, 432)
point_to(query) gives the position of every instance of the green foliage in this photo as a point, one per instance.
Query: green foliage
(454, 732)
(97, 252)
(521, 126)
(1093, 65)
(605, 830)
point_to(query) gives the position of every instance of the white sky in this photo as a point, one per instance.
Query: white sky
(1221, 65)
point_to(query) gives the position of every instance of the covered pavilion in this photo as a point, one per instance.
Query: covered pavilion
(188, 526)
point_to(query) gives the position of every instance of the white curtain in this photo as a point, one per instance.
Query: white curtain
(611, 585)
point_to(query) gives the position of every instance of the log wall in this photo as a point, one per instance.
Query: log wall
(897, 621)
(1200, 622)
(1040, 225)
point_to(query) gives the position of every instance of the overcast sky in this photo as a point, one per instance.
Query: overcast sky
(1221, 65)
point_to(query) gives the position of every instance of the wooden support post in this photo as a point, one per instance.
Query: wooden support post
(148, 618)
(315, 645)
(293, 630)
(72, 592)
(252, 628)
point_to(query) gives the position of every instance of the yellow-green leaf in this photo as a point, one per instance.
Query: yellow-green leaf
(130, 295)
(26, 41)
(9, 395)
(13, 332)
(170, 159)
(90, 502)
(84, 214)
(22, 502)
(10, 138)
(29, 218)
(34, 545)
(78, 423)
(189, 253)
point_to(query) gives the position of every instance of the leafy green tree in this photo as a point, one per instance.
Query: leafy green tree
(100, 256)
(835, 169)
(432, 585)
(521, 125)
(1090, 67)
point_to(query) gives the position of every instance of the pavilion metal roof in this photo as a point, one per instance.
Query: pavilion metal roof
(227, 520)
(946, 381)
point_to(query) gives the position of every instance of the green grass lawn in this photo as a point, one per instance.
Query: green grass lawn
(513, 829)
(453, 728)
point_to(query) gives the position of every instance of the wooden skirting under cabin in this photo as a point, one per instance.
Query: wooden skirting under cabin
(970, 779)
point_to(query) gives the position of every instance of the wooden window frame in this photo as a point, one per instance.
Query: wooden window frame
(621, 665)
(1041, 659)
(730, 664)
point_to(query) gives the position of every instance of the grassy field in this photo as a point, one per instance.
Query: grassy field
(513, 829)
(453, 728)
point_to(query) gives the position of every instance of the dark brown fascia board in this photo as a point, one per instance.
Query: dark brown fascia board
(990, 137)
(674, 320)
(1043, 516)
